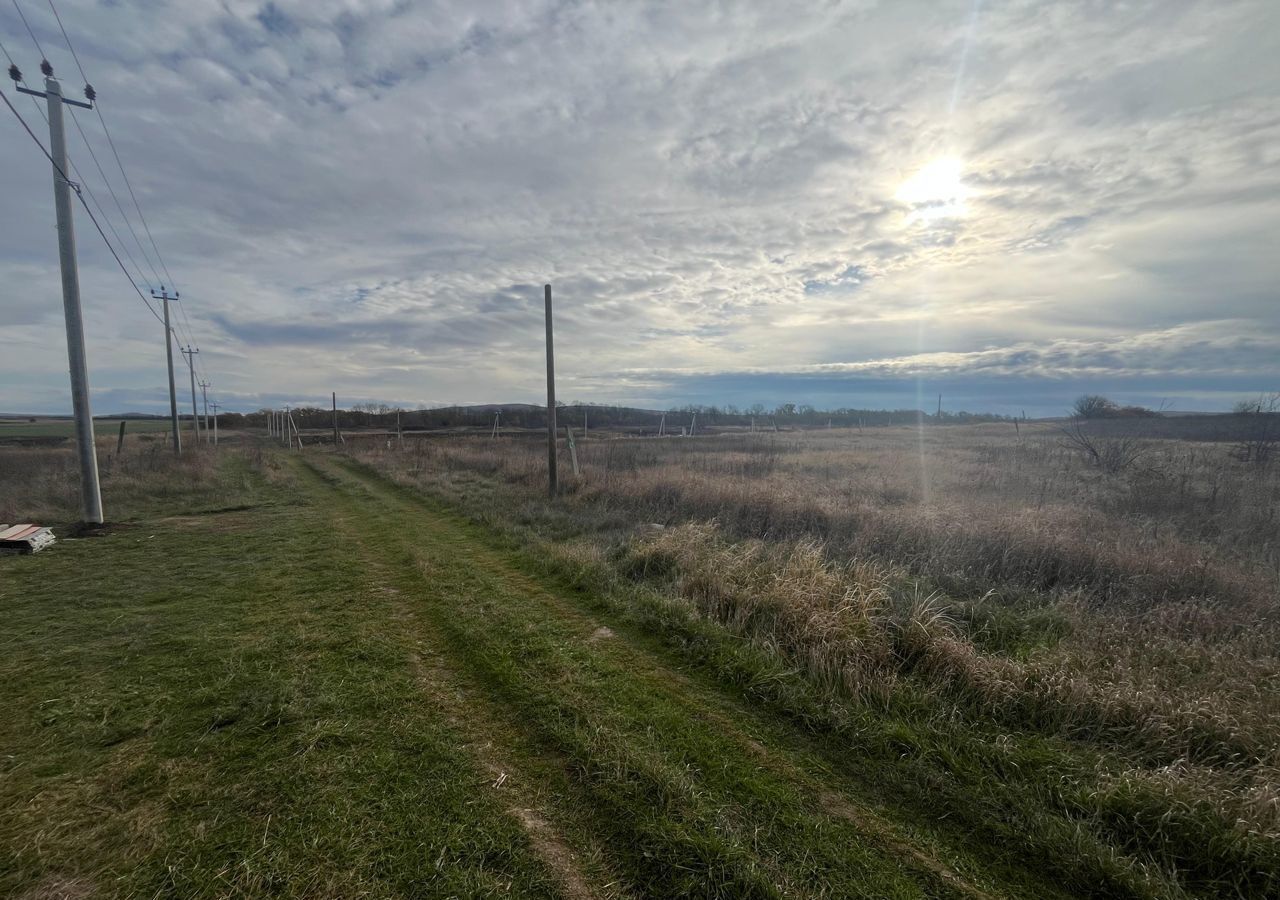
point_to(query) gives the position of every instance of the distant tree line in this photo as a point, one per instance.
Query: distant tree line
(784, 416)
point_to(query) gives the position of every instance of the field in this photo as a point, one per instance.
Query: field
(65, 428)
(944, 662)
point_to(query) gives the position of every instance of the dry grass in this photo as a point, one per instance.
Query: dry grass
(1000, 576)
(42, 484)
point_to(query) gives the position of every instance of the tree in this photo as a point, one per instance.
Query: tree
(1093, 406)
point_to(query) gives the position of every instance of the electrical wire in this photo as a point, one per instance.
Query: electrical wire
(84, 137)
(87, 208)
(89, 190)
(111, 142)
(6, 54)
(174, 329)
(75, 56)
(34, 39)
(128, 184)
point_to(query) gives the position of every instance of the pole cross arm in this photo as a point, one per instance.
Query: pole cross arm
(79, 103)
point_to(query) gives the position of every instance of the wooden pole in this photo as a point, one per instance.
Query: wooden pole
(335, 420)
(551, 400)
(120, 440)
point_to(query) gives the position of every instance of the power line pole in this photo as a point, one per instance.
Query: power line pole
(335, 420)
(215, 423)
(204, 392)
(168, 354)
(551, 401)
(195, 412)
(90, 491)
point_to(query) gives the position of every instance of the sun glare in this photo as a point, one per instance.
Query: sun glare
(936, 191)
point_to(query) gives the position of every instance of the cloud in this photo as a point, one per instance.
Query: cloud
(367, 195)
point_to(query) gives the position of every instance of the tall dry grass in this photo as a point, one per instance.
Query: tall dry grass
(42, 484)
(995, 572)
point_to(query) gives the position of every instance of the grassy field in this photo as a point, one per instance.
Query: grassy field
(957, 664)
(47, 428)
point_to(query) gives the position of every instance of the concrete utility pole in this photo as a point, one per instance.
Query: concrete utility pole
(551, 402)
(195, 411)
(215, 424)
(335, 420)
(90, 491)
(204, 392)
(168, 355)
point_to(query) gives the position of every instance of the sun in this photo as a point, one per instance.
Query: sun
(937, 191)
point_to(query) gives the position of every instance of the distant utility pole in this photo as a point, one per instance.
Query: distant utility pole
(90, 491)
(335, 420)
(551, 401)
(168, 354)
(288, 421)
(215, 423)
(204, 392)
(195, 412)
(939, 416)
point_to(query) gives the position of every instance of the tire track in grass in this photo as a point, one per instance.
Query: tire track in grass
(769, 820)
(874, 827)
(467, 715)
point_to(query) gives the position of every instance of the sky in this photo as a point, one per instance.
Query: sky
(846, 204)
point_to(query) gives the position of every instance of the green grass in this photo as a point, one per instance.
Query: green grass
(214, 706)
(22, 428)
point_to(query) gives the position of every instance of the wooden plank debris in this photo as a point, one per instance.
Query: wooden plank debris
(24, 538)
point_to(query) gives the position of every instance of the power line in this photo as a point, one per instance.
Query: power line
(89, 89)
(114, 152)
(97, 203)
(35, 39)
(87, 209)
(6, 54)
(84, 184)
(128, 184)
(84, 137)
(125, 175)
(68, 40)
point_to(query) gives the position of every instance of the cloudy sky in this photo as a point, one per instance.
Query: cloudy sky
(838, 203)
